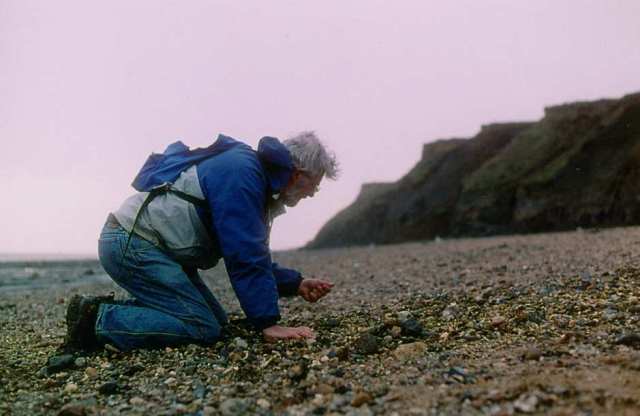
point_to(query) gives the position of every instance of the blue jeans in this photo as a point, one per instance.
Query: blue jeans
(171, 305)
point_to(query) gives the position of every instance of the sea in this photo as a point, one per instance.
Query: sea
(21, 272)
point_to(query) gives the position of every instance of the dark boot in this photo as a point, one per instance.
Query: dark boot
(82, 313)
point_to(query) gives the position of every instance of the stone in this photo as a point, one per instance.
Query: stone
(91, 372)
(412, 327)
(361, 398)
(403, 315)
(108, 388)
(240, 344)
(532, 353)
(137, 401)
(498, 321)
(209, 411)
(324, 388)
(73, 409)
(367, 344)
(630, 340)
(451, 312)
(610, 314)
(396, 331)
(297, 371)
(526, 403)
(80, 362)
(199, 390)
(410, 351)
(70, 388)
(234, 407)
(58, 363)
(263, 403)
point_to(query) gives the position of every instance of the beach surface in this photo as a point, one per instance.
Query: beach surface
(535, 324)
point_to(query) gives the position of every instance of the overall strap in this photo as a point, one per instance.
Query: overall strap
(157, 191)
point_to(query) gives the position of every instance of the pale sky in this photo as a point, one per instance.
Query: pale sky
(88, 89)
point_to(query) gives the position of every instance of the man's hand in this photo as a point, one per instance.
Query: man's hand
(313, 289)
(277, 332)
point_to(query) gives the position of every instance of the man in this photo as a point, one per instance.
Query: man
(195, 207)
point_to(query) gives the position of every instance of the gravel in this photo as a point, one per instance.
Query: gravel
(540, 324)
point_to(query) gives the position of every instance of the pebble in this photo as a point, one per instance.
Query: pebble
(412, 327)
(450, 312)
(240, 344)
(137, 401)
(361, 398)
(91, 372)
(263, 403)
(209, 411)
(631, 340)
(410, 351)
(72, 409)
(324, 388)
(610, 314)
(70, 388)
(403, 315)
(497, 321)
(396, 331)
(234, 407)
(367, 344)
(80, 362)
(297, 372)
(59, 362)
(526, 403)
(108, 388)
(532, 353)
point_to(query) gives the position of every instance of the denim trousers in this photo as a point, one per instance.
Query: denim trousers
(170, 304)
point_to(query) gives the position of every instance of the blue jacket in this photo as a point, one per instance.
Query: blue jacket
(237, 183)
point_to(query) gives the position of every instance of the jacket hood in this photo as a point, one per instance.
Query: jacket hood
(277, 162)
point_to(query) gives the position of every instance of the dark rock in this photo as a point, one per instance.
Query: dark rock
(367, 344)
(331, 323)
(108, 388)
(631, 340)
(58, 363)
(412, 327)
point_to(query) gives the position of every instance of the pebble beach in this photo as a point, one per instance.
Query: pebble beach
(532, 324)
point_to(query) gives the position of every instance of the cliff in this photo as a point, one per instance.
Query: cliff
(579, 166)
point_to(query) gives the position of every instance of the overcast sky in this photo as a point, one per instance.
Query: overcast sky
(88, 89)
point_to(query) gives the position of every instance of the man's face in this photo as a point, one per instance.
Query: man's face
(301, 185)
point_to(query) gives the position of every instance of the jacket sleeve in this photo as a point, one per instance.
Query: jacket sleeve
(288, 280)
(237, 207)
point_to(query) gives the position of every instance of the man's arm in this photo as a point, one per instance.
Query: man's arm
(288, 280)
(236, 198)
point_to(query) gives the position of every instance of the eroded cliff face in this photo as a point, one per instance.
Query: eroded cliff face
(577, 167)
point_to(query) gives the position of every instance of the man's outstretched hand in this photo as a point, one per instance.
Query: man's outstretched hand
(277, 332)
(313, 289)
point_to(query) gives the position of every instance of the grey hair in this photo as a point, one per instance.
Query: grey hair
(310, 154)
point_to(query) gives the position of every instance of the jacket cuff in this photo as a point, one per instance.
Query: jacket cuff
(289, 288)
(264, 322)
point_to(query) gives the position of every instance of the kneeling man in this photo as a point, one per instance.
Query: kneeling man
(193, 208)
